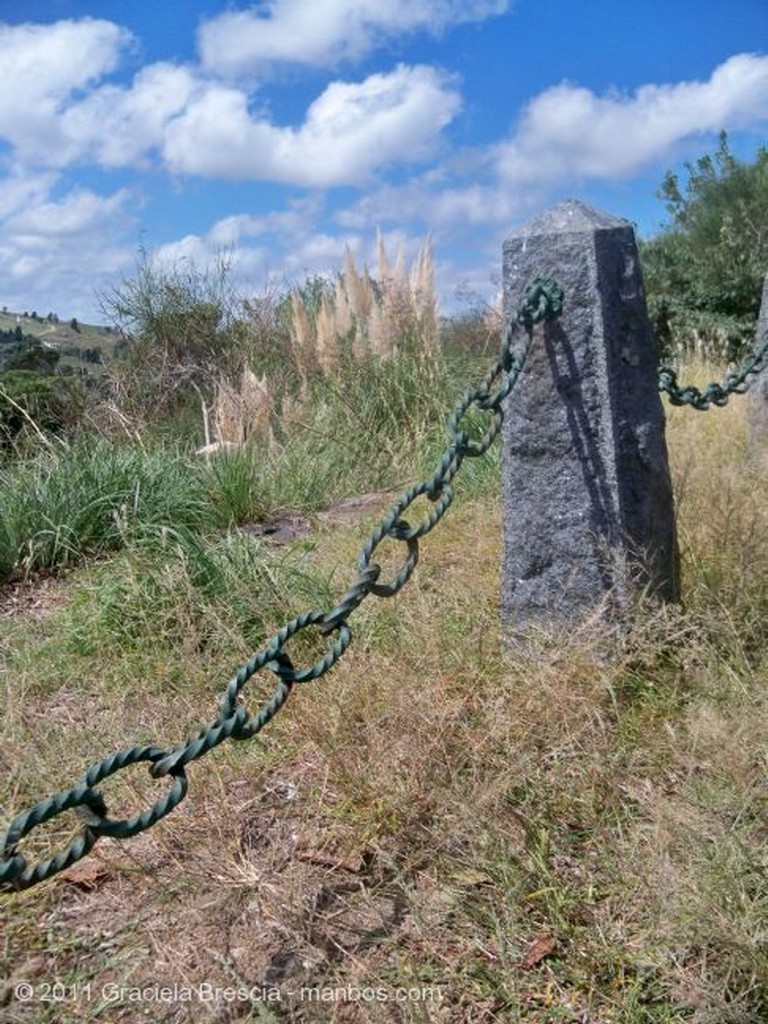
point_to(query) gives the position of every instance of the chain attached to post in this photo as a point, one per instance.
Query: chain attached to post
(543, 301)
(714, 394)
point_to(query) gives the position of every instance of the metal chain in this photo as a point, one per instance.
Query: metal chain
(714, 394)
(543, 301)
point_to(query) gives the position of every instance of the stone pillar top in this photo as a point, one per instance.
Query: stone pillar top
(570, 217)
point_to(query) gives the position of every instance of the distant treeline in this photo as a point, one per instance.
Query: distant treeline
(15, 336)
(52, 318)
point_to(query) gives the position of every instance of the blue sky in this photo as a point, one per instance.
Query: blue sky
(283, 131)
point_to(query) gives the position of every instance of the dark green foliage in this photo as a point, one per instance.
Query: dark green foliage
(704, 274)
(94, 356)
(52, 403)
(311, 291)
(265, 330)
(14, 340)
(33, 356)
(90, 355)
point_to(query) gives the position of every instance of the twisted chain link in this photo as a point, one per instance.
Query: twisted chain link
(714, 393)
(543, 301)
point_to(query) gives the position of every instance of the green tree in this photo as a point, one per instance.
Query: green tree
(704, 273)
(34, 357)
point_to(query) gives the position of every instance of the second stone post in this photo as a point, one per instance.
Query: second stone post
(587, 499)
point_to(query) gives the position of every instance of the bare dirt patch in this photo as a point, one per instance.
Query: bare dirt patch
(38, 597)
(290, 524)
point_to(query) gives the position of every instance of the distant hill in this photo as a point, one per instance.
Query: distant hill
(79, 345)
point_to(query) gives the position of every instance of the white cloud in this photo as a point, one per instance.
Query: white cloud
(288, 249)
(440, 203)
(79, 212)
(320, 253)
(56, 247)
(350, 131)
(263, 250)
(568, 132)
(118, 125)
(56, 251)
(323, 34)
(43, 66)
(194, 249)
(291, 225)
(21, 190)
(61, 113)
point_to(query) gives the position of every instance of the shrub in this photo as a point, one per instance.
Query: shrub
(704, 274)
(30, 400)
(182, 332)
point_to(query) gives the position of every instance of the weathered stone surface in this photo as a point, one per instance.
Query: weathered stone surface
(757, 396)
(587, 497)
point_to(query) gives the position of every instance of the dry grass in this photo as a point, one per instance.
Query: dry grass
(544, 837)
(239, 414)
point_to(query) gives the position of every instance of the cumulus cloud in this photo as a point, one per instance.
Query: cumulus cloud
(66, 107)
(321, 253)
(193, 249)
(117, 125)
(63, 114)
(44, 65)
(20, 190)
(77, 213)
(567, 131)
(278, 249)
(290, 224)
(324, 34)
(277, 232)
(56, 250)
(58, 112)
(350, 131)
(456, 206)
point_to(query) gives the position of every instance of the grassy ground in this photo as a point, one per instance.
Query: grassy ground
(436, 831)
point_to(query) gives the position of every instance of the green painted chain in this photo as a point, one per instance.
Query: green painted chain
(543, 301)
(715, 394)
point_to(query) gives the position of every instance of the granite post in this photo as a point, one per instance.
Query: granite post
(587, 497)
(757, 395)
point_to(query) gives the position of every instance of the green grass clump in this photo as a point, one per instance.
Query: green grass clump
(90, 497)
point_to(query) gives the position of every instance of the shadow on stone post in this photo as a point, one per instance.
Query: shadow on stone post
(757, 395)
(587, 498)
